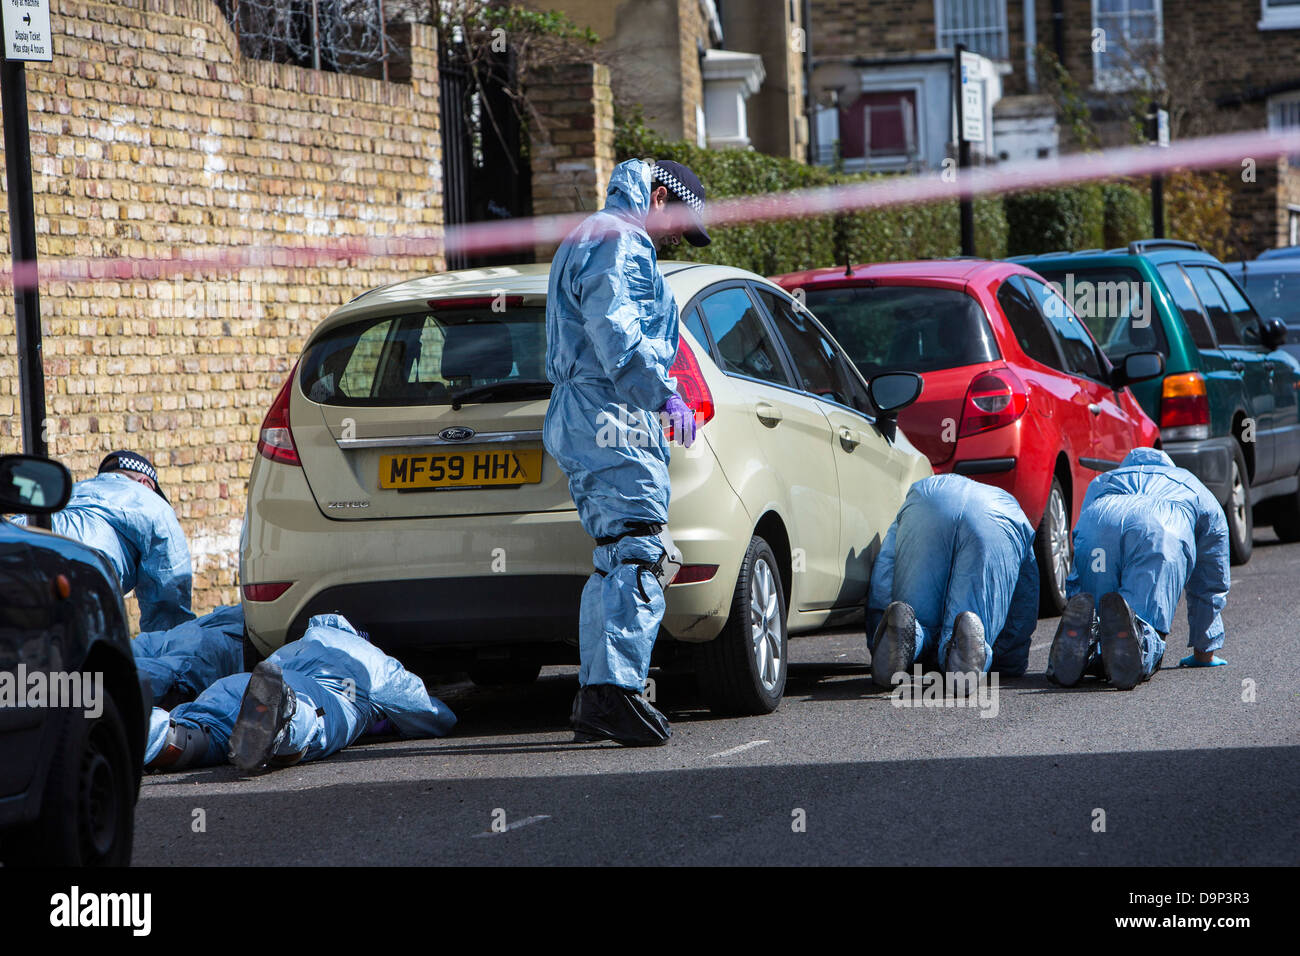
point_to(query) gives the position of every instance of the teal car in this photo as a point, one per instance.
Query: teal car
(1228, 405)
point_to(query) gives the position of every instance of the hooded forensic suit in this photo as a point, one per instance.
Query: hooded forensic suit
(612, 333)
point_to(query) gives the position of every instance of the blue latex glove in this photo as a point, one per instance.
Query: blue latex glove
(681, 420)
(1191, 661)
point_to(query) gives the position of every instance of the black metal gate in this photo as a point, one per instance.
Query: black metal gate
(486, 175)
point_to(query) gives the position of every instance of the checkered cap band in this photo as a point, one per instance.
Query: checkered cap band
(133, 463)
(679, 189)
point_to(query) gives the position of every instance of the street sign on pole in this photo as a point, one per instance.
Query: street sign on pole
(964, 105)
(27, 30)
(972, 98)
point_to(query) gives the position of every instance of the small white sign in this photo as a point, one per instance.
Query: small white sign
(1162, 127)
(972, 99)
(27, 30)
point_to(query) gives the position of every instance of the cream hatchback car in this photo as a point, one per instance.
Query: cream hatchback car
(401, 481)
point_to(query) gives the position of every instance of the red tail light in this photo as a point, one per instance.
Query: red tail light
(694, 573)
(265, 592)
(691, 385)
(995, 398)
(1184, 402)
(276, 440)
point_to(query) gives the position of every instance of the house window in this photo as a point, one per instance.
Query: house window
(980, 24)
(1279, 14)
(1129, 40)
(1284, 114)
(879, 125)
(1293, 225)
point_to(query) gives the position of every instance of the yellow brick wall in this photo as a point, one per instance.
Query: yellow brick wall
(152, 135)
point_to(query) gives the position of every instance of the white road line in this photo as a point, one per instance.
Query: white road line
(516, 825)
(741, 749)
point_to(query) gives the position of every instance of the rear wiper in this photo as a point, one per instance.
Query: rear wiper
(479, 392)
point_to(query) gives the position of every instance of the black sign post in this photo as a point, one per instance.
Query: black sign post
(967, 205)
(1158, 134)
(22, 235)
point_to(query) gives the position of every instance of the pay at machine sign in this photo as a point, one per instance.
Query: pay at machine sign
(461, 469)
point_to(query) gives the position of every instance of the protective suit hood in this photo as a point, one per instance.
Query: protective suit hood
(1147, 456)
(629, 190)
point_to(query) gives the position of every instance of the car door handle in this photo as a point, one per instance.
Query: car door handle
(849, 439)
(768, 414)
(1094, 408)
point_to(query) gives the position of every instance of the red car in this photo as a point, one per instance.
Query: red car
(1017, 393)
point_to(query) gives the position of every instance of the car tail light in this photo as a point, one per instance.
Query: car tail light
(694, 573)
(995, 398)
(691, 386)
(265, 592)
(1184, 407)
(276, 440)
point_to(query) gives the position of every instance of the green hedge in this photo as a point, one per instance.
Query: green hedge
(1127, 214)
(770, 248)
(1053, 220)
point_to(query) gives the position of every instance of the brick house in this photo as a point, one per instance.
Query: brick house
(1218, 65)
(720, 73)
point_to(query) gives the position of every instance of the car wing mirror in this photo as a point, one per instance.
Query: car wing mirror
(891, 392)
(33, 486)
(1138, 367)
(1273, 334)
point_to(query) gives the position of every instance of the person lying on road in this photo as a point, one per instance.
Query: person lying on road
(1147, 531)
(308, 700)
(955, 584)
(181, 662)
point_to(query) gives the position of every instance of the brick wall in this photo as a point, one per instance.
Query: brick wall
(693, 34)
(152, 134)
(857, 28)
(572, 149)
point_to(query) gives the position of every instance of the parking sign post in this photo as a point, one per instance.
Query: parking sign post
(26, 28)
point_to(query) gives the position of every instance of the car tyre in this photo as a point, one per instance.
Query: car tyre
(1052, 548)
(743, 670)
(88, 810)
(1237, 509)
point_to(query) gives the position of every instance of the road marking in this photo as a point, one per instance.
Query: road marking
(741, 749)
(516, 825)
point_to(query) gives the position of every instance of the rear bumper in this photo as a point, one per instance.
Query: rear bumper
(1210, 460)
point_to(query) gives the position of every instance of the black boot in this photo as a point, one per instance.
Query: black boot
(1072, 644)
(264, 716)
(1121, 642)
(895, 649)
(185, 746)
(606, 712)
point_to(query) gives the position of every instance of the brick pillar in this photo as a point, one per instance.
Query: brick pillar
(572, 139)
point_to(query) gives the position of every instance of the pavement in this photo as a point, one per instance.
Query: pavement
(1195, 767)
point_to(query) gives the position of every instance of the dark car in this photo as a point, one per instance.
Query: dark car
(1228, 404)
(1273, 284)
(72, 714)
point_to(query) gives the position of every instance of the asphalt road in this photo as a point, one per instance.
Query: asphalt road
(1191, 768)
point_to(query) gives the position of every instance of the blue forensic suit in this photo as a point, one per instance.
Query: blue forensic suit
(343, 683)
(137, 531)
(1149, 530)
(958, 545)
(612, 333)
(185, 660)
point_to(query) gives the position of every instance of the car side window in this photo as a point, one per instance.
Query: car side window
(695, 326)
(1225, 328)
(1027, 324)
(1243, 313)
(1180, 287)
(820, 365)
(745, 346)
(1078, 346)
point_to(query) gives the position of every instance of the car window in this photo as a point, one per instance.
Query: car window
(1225, 327)
(1027, 323)
(905, 328)
(696, 327)
(816, 360)
(745, 346)
(1180, 287)
(1243, 314)
(1080, 351)
(1116, 305)
(1275, 295)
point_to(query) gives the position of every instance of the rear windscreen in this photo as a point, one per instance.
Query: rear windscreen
(907, 328)
(430, 358)
(1275, 296)
(1116, 305)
